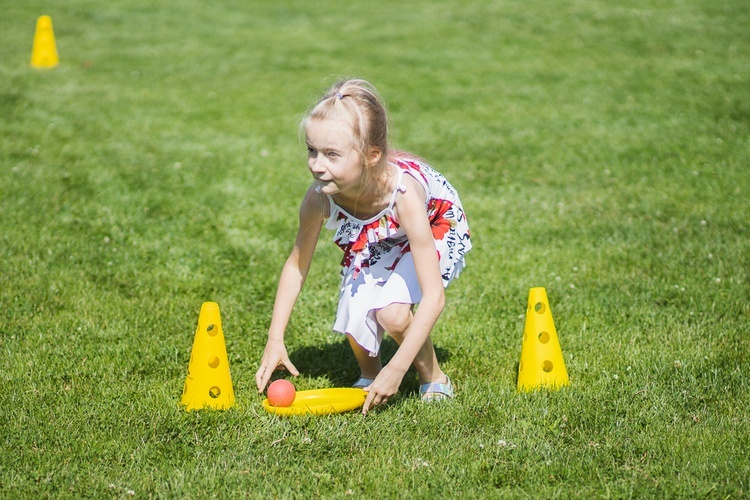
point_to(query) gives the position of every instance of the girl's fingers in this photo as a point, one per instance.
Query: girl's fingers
(373, 399)
(368, 401)
(290, 366)
(264, 374)
(261, 378)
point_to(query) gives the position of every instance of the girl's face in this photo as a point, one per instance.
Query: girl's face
(332, 159)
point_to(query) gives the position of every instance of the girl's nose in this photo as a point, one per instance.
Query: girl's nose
(315, 165)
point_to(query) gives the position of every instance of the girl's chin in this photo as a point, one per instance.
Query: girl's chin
(326, 188)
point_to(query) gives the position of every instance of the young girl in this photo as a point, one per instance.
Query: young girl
(404, 235)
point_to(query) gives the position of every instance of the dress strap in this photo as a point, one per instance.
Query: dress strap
(400, 188)
(332, 205)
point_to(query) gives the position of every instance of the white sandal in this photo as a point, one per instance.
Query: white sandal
(436, 391)
(363, 382)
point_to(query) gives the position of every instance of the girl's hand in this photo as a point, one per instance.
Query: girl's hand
(275, 357)
(384, 386)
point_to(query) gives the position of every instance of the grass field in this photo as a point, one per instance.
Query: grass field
(601, 150)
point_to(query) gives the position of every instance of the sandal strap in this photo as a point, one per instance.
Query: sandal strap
(437, 388)
(363, 382)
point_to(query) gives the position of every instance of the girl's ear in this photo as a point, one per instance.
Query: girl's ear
(373, 156)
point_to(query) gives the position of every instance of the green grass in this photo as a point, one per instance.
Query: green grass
(601, 150)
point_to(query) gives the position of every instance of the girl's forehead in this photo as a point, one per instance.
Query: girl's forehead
(331, 131)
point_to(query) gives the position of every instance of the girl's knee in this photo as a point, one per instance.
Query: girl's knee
(395, 319)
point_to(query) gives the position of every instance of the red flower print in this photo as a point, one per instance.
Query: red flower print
(436, 211)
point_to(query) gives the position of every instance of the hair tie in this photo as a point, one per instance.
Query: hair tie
(340, 96)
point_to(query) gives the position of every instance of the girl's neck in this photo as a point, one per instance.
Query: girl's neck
(373, 198)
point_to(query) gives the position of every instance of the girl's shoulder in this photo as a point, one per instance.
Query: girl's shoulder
(406, 160)
(315, 204)
(415, 166)
(434, 183)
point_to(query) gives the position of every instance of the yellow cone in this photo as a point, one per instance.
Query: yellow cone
(541, 362)
(44, 51)
(208, 383)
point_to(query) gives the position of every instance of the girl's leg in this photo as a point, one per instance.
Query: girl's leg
(395, 319)
(369, 366)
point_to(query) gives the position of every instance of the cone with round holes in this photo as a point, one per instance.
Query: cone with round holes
(541, 362)
(208, 383)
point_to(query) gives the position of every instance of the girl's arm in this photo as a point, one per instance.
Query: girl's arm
(411, 213)
(311, 215)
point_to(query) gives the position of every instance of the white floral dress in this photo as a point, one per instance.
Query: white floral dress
(377, 267)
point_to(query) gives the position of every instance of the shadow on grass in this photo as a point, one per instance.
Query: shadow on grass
(337, 363)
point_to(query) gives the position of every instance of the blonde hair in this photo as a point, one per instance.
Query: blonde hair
(359, 104)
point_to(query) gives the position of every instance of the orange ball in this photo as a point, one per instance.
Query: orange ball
(281, 393)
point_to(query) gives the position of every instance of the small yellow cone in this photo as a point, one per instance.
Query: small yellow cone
(208, 383)
(44, 51)
(541, 362)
